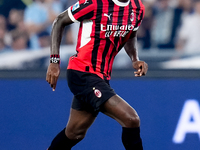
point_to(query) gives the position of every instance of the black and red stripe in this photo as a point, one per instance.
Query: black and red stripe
(97, 34)
(107, 45)
(98, 54)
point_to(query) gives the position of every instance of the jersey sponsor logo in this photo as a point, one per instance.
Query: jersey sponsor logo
(117, 27)
(97, 92)
(116, 30)
(107, 15)
(116, 33)
(75, 6)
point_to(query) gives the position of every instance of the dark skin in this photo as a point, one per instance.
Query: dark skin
(115, 107)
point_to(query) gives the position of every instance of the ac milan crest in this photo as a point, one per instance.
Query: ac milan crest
(97, 93)
(132, 16)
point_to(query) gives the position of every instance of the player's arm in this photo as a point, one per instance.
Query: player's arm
(131, 49)
(53, 70)
(58, 26)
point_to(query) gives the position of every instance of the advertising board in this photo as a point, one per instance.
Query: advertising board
(169, 109)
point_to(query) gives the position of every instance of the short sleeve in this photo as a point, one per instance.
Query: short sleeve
(82, 10)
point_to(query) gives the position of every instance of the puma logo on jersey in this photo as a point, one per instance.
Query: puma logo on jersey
(107, 15)
(86, 1)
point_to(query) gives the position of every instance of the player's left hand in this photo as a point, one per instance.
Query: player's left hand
(141, 68)
(52, 75)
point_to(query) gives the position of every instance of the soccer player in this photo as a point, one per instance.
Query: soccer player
(105, 27)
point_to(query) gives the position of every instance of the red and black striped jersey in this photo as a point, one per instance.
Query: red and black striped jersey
(105, 26)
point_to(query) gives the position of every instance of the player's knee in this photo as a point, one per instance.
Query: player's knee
(132, 121)
(75, 134)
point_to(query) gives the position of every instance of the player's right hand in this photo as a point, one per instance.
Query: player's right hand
(52, 75)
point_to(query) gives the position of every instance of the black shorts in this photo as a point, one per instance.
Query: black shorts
(90, 91)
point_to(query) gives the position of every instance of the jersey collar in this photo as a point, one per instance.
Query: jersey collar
(121, 3)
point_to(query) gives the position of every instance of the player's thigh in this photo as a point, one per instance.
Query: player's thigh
(121, 111)
(78, 123)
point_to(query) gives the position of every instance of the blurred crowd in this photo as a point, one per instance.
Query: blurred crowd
(171, 25)
(168, 24)
(26, 24)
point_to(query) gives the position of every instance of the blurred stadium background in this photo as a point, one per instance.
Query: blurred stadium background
(167, 98)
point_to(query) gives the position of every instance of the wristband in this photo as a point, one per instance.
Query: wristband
(55, 59)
